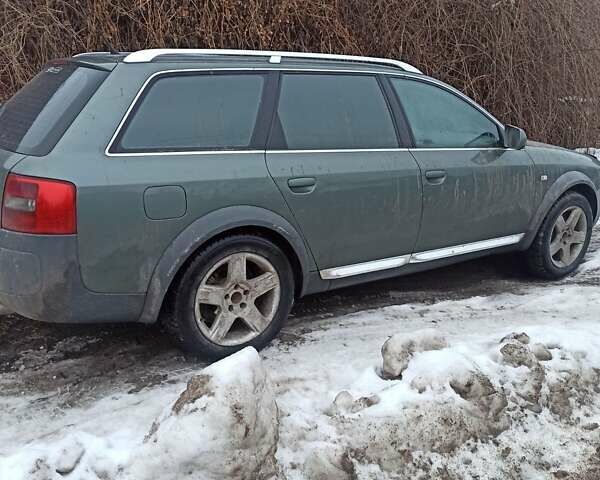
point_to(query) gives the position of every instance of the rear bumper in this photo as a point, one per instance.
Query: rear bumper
(40, 279)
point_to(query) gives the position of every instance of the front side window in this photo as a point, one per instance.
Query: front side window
(330, 111)
(440, 119)
(194, 112)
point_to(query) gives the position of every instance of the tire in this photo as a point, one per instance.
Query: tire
(541, 261)
(215, 275)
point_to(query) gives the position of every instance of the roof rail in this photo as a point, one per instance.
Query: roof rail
(142, 56)
(90, 53)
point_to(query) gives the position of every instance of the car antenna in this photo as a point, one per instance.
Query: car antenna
(111, 50)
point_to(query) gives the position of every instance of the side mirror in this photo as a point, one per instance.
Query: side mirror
(514, 137)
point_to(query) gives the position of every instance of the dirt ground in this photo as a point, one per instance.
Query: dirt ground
(74, 364)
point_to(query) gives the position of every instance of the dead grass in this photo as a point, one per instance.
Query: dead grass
(533, 63)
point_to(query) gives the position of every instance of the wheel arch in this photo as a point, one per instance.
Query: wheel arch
(218, 224)
(588, 192)
(568, 182)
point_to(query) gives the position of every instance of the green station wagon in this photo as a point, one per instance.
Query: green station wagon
(211, 188)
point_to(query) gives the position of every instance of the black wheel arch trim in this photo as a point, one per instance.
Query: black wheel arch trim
(203, 230)
(563, 184)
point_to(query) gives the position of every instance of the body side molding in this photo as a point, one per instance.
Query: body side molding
(364, 267)
(446, 252)
(419, 257)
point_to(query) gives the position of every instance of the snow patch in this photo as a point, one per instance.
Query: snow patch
(224, 425)
(459, 398)
(399, 349)
(471, 409)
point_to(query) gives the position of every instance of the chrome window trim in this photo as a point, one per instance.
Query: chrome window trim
(459, 149)
(286, 69)
(143, 56)
(420, 257)
(183, 152)
(341, 150)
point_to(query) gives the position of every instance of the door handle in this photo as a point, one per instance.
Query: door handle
(435, 177)
(302, 184)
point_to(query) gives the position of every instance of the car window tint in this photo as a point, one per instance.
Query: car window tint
(440, 119)
(194, 112)
(333, 112)
(36, 117)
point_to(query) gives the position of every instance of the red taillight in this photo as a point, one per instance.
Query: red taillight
(38, 205)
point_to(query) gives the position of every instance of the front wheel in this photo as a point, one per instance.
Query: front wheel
(563, 238)
(235, 293)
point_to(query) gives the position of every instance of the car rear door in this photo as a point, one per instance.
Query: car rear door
(477, 194)
(335, 155)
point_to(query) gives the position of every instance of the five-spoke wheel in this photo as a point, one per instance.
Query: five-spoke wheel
(237, 298)
(236, 292)
(563, 237)
(568, 236)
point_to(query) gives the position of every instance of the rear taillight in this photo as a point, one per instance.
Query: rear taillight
(38, 205)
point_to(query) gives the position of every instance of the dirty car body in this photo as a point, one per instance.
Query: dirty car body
(168, 152)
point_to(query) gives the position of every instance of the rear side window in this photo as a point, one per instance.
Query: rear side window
(35, 119)
(332, 111)
(440, 119)
(193, 112)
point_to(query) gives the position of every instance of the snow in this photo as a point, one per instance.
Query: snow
(590, 151)
(592, 263)
(470, 408)
(224, 423)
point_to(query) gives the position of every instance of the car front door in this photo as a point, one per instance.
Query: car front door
(477, 194)
(334, 154)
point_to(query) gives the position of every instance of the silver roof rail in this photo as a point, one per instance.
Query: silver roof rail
(90, 53)
(142, 56)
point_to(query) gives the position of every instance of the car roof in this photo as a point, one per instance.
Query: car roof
(244, 58)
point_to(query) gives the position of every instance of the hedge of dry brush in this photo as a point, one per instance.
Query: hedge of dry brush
(533, 63)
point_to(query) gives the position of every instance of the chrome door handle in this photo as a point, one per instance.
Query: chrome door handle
(302, 184)
(435, 177)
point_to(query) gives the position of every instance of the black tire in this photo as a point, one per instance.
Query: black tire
(539, 259)
(178, 315)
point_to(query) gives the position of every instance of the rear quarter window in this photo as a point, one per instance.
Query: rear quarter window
(193, 112)
(36, 117)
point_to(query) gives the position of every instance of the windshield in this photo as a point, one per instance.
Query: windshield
(34, 120)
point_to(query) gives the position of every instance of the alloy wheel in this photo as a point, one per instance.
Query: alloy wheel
(237, 299)
(568, 236)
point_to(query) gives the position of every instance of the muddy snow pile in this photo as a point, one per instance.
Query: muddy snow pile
(499, 387)
(224, 425)
(445, 408)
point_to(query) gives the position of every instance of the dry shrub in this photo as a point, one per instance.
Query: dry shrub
(533, 63)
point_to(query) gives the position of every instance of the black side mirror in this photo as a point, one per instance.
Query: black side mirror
(514, 137)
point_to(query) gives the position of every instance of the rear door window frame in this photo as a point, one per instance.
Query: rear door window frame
(400, 129)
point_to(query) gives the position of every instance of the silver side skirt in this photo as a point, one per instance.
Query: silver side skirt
(420, 257)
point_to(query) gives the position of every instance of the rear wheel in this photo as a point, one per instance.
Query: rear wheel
(563, 238)
(237, 292)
